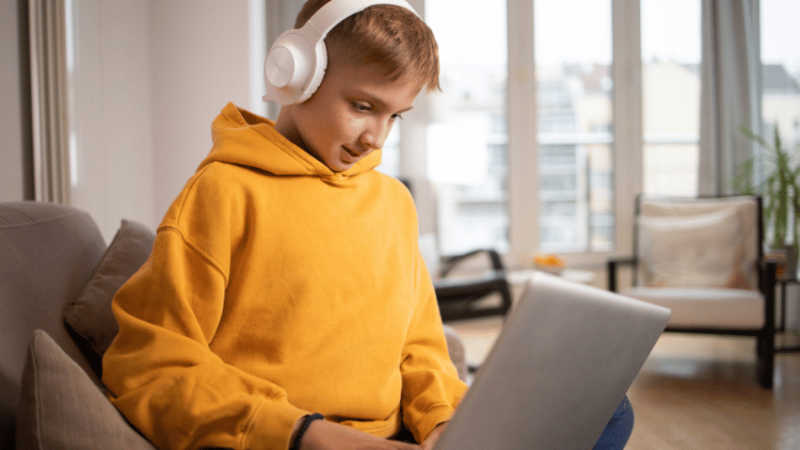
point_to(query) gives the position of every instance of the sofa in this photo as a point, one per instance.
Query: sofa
(57, 279)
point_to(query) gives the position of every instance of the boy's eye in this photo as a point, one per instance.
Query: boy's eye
(361, 107)
(397, 116)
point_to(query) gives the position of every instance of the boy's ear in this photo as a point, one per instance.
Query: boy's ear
(296, 63)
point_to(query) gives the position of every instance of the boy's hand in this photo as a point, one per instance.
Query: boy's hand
(433, 436)
(326, 435)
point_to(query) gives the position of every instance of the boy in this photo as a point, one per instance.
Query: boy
(286, 280)
(286, 304)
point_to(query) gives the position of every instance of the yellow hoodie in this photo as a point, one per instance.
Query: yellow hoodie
(277, 288)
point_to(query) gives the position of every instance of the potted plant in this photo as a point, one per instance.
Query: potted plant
(780, 192)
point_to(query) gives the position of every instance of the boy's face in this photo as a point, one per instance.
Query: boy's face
(349, 116)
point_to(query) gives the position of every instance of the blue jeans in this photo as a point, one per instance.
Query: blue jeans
(619, 428)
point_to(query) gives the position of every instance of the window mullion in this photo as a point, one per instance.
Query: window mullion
(523, 172)
(627, 111)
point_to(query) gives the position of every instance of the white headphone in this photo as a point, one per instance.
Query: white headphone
(296, 63)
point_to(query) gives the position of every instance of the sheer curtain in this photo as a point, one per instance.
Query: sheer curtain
(49, 100)
(729, 91)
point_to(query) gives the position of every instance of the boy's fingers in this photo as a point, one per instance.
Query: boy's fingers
(325, 435)
(404, 446)
(433, 437)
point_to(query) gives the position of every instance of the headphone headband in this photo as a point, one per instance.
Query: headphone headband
(296, 63)
(333, 12)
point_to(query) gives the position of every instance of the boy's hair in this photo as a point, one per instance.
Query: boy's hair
(387, 36)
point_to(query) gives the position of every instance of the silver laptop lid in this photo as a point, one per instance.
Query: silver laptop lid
(562, 363)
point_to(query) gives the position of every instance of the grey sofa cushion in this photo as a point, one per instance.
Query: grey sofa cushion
(61, 408)
(455, 347)
(47, 253)
(90, 315)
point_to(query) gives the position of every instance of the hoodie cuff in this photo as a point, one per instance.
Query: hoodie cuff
(272, 425)
(435, 416)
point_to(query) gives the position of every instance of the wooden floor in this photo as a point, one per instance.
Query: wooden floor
(697, 392)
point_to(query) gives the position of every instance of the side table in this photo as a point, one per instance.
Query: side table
(783, 282)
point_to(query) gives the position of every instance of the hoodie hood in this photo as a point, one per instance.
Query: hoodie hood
(246, 139)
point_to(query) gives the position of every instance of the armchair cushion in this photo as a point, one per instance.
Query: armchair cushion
(90, 315)
(714, 308)
(720, 225)
(62, 408)
(702, 250)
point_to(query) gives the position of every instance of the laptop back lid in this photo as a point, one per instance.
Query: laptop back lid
(562, 363)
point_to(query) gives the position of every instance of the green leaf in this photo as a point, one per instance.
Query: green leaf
(750, 135)
(780, 187)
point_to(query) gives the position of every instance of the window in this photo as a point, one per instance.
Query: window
(574, 93)
(467, 134)
(780, 71)
(575, 171)
(671, 95)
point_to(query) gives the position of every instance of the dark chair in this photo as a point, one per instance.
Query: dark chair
(702, 258)
(467, 296)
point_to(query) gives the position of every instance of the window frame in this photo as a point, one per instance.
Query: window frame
(523, 146)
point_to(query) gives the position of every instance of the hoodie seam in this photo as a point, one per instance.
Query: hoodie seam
(195, 248)
(251, 423)
(176, 227)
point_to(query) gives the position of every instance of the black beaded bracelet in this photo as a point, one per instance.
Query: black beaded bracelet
(303, 428)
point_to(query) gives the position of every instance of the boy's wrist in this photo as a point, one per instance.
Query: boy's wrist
(300, 428)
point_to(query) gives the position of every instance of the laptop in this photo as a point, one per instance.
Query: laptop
(562, 363)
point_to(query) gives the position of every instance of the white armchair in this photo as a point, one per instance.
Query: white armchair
(702, 258)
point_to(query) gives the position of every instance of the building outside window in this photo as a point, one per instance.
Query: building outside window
(574, 93)
(780, 71)
(468, 133)
(671, 48)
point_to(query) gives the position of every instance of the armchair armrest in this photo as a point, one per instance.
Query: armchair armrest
(449, 262)
(612, 265)
(464, 292)
(768, 277)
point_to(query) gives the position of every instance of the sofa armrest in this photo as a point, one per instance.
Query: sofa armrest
(455, 346)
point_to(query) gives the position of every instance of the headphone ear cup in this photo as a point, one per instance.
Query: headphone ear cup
(288, 67)
(320, 67)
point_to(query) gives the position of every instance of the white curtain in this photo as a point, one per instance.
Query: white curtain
(49, 100)
(730, 91)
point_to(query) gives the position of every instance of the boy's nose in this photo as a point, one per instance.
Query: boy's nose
(373, 137)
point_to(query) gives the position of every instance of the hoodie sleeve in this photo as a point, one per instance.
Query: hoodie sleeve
(431, 387)
(160, 371)
(162, 375)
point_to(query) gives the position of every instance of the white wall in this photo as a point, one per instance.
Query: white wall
(148, 79)
(111, 156)
(199, 62)
(11, 164)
